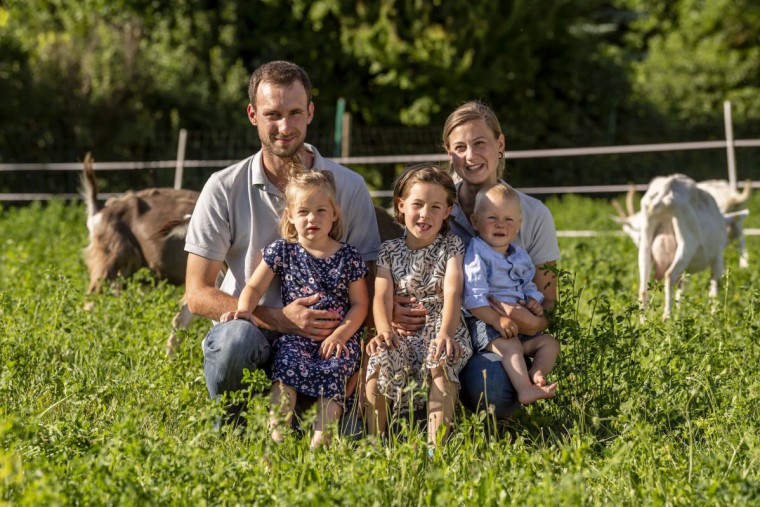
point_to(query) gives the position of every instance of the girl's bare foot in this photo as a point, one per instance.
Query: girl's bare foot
(534, 393)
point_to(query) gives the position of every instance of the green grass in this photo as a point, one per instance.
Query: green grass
(92, 412)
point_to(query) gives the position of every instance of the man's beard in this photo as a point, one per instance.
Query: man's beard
(271, 148)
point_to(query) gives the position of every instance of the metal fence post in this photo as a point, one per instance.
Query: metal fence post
(730, 145)
(181, 144)
(345, 143)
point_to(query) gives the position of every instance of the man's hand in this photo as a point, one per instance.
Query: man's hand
(314, 324)
(409, 316)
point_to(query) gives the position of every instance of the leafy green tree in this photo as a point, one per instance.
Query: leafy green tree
(696, 54)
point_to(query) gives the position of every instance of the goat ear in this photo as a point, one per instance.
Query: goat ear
(619, 220)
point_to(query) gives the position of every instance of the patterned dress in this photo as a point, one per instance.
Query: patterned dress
(297, 362)
(419, 273)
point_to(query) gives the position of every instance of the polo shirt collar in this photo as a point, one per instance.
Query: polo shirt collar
(259, 177)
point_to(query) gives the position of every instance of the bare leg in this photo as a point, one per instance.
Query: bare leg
(283, 403)
(361, 387)
(511, 352)
(441, 402)
(544, 350)
(377, 416)
(328, 413)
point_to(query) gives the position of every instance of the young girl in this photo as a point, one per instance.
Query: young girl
(426, 264)
(310, 260)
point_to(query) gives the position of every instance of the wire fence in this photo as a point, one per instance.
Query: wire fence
(189, 146)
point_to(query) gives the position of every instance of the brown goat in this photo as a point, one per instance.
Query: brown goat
(136, 230)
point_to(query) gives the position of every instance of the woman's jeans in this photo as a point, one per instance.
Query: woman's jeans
(485, 382)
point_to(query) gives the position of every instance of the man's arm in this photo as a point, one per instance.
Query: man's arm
(201, 294)
(203, 298)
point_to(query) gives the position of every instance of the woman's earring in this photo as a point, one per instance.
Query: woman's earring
(501, 154)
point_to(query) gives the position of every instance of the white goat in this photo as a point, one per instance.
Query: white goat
(730, 203)
(686, 219)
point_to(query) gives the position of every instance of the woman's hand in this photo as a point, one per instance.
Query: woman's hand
(534, 307)
(236, 315)
(409, 316)
(384, 340)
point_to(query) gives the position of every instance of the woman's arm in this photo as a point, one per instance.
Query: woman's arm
(546, 282)
(527, 323)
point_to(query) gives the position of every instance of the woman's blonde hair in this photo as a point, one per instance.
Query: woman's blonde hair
(304, 181)
(471, 111)
(423, 173)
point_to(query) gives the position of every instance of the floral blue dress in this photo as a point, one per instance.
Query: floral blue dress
(297, 362)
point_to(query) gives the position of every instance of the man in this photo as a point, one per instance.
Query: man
(237, 215)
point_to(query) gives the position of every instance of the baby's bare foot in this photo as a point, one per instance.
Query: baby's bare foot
(534, 393)
(539, 379)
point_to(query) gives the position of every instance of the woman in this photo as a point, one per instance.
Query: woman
(474, 141)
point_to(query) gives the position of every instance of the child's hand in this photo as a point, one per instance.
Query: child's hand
(443, 343)
(332, 344)
(237, 315)
(534, 307)
(507, 327)
(384, 340)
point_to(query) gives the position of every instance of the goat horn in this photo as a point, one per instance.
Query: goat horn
(619, 209)
(629, 200)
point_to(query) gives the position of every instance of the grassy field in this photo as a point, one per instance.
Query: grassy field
(92, 412)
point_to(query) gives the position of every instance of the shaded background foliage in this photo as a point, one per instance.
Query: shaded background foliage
(121, 77)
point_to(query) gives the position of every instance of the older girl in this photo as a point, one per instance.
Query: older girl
(425, 265)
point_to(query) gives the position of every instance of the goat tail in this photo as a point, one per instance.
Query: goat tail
(173, 229)
(89, 189)
(742, 198)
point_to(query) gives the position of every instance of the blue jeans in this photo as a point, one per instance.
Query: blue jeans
(485, 382)
(228, 349)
